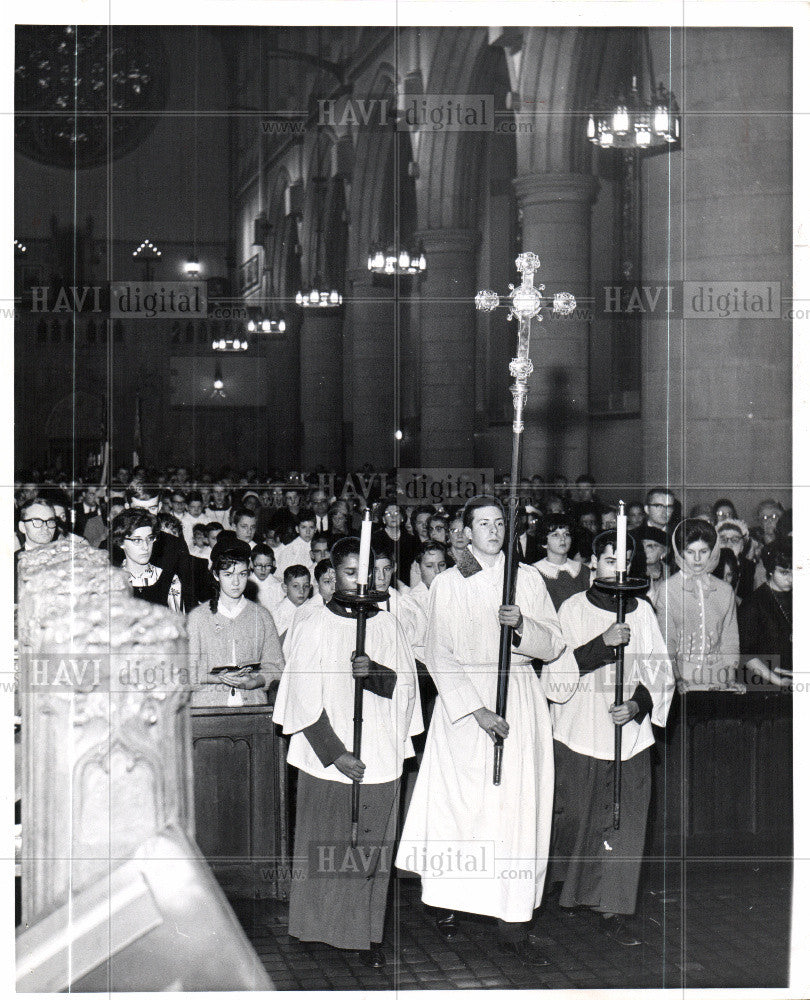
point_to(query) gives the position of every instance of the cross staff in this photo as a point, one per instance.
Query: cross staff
(526, 301)
(361, 603)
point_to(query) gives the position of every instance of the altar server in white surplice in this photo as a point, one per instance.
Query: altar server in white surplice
(341, 901)
(458, 821)
(598, 866)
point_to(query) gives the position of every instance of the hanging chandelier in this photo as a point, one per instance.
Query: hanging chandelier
(147, 251)
(647, 117)
(393, 261)
(264, 321)
(229, 344)
(318, 296)
(265, 324)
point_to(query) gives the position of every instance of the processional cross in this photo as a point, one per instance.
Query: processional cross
(526, 301)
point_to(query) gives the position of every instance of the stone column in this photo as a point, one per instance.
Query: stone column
(371, 312)
(321, 389)
(447, 337)
(557, 227)
(717, 389)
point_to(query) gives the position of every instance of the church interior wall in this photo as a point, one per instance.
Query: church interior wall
(717, 210)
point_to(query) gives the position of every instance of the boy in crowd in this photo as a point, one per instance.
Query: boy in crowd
(297, 588)
(315, 706)
(213, 529)
(193, 516)
(199, 548)
(431, 560)
(244, 524)
(218, 508)
(262, 586)
(599, 867)
(390, 599)
(319, 547)
(297, 552)
(324, 592)
(200, 552)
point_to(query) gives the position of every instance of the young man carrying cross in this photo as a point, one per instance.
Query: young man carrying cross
(342, 900)
(455, 805)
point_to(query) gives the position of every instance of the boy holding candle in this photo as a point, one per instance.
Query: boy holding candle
(342, 899)
(599, 867)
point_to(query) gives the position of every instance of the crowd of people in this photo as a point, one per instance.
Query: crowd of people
(265, 574)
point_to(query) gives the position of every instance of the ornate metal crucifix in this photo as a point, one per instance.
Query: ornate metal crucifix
(526, 302)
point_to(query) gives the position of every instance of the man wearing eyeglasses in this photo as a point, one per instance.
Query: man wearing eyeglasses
(37, 524)
(659, 509)
(36, 528)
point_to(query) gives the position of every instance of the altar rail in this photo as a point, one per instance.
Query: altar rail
(240, 797)
(723, 776)
(722, 786)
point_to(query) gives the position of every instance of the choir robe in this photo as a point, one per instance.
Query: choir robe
(343, 903)
(415, 605)
(599, 866)
(405, 613)
(268, 592)
(295, 553)
(455, 805)
(283, 614)
(300, 614)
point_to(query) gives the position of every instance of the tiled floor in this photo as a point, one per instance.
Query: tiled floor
(705, 924)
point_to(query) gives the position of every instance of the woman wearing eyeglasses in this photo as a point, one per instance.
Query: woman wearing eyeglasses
(133, 535)
(458, 540)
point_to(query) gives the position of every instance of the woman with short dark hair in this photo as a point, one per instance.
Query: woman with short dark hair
(232, 641)
(133, 535)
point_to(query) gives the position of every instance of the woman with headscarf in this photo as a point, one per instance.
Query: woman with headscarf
(698, 613)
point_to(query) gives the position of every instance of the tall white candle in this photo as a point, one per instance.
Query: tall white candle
(621, 539)
(365, 549)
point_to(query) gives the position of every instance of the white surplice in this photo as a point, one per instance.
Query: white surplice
(301, 613)
(415, 603)
(406, 614)
(318, 678)
(584, 723)
(295, 553)
(460, 822)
